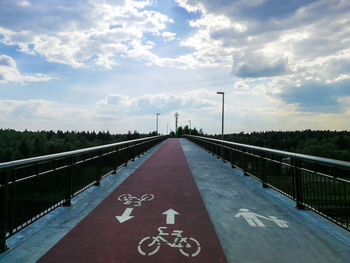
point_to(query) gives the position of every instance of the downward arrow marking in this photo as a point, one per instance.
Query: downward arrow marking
(170, 216)
(126, 215)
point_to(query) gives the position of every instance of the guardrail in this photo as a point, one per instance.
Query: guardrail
(31, 188)
(320, 184)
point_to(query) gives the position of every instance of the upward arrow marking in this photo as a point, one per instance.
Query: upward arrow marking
(170, 216)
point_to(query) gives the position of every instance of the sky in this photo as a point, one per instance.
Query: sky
(113, 64)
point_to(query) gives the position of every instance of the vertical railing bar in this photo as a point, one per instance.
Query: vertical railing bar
(116, 159)
(126, 155)
(134, 152)
(13, 202)
(69, 190)
(99, 169)
(263, 168)
(4, 211)
(327, 194)
(315, 184)
(297, 182)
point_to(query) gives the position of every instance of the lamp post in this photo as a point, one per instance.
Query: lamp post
(222, 121)
(190, 125)
(157, 121)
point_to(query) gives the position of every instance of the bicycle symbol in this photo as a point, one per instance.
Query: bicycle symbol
(128, 199)
(188, 247)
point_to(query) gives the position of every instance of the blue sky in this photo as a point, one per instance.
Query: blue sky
(113, 64)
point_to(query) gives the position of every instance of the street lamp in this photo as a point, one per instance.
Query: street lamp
(190, 125)
(222, 121)
(157, 121)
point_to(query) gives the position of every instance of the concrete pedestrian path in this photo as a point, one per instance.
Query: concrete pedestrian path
(256, 224)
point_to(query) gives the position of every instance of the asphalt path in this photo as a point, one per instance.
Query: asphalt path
(155, 215)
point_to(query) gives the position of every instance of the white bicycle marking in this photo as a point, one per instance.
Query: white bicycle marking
(188, 247)
(128, 199)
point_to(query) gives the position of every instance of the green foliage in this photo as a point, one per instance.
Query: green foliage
(16, 145)
(330, 144)
(186, 130)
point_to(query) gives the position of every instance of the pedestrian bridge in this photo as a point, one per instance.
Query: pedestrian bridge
(169, 200)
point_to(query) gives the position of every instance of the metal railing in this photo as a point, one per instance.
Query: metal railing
(31, 188)
(320, 184)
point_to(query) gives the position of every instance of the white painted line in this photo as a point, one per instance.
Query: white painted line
(126, 215)
(170, 216)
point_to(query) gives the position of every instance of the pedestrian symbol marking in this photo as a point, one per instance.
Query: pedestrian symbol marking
(188, 246)
(281, 223)
(253, 219)
(128, 199)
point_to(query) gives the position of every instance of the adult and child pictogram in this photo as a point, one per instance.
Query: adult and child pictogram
(253, 219)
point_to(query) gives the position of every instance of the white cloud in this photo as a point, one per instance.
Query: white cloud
(282, 44)
(10, 73)
(42, 114)
(168, 36)
(149, 104)
(97, 35)
(24, 3)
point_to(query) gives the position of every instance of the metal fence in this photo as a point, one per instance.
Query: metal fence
(31, 188)
(320, 184)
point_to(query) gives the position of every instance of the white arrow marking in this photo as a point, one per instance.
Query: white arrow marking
(170, 216)
(125, 216)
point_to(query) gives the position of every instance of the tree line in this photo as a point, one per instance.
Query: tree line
(324, 143)
(15, 145)
(185, 130)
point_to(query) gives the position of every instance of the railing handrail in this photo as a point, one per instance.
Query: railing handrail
(69, 153)
(311, 158)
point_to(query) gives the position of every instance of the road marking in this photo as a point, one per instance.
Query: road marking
(253, 219)
(128, 199)
(187, 246)
(126, 215)
(170, 216)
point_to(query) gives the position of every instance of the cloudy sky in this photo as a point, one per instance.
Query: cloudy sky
(113, 64)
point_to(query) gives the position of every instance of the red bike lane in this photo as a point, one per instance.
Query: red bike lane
(155, 215)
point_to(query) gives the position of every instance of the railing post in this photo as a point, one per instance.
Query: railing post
(69, 193)
(116, 159)
(244, 163)
(11, 206)
(222, 150)
(99, 169)
(126, 155)
(134, 152)
(3, 211)
(297, 184)
(217, 151)
(263, 172)
(231, 156)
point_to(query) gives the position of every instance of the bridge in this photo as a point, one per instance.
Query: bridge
(160, 199)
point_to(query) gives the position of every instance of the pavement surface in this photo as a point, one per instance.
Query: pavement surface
(155, 215)
(253, 224)
(257, 224)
